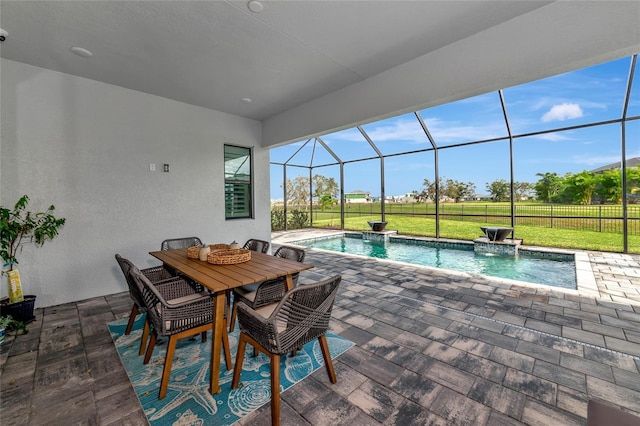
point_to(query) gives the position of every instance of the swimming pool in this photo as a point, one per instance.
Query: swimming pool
(554, 269)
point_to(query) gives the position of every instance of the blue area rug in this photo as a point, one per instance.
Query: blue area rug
(188, 401)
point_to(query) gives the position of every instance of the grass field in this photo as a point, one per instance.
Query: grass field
(467, 230)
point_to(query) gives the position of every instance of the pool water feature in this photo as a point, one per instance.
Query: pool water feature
(533, 266)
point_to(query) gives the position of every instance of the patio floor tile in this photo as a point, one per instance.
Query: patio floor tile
(432, 347)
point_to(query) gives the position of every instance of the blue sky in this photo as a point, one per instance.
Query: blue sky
(583, 96)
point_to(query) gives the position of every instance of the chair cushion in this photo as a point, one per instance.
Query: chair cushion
(188, 298)
(266, 311)
(247, 292)
(183, 299)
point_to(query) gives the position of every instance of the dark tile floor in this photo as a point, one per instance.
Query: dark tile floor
(432, 347)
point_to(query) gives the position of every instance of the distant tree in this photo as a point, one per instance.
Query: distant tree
(428, 192)
(458, 190)
(324, 185)
(500, 190)
(522, 190)
(566, 192)
(298, 192)
(633, 180)
(326, 201)
(548, 186)
(583, 185)
(609, 186)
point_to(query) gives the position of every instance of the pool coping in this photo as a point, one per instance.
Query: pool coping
(586, 284)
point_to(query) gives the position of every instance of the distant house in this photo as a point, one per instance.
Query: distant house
(631, 162)
(481, 197)
(409, 197)
(357, 196)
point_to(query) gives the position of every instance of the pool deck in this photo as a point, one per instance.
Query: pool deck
(432, 347)
(472, 349)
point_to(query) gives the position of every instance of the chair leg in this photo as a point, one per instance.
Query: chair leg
(275, 389)
(145, 336)
(132, 318)
(204, 336)
(152, 344)
(242, 344)
(232, 317)
(327, 358)
(227, 349)
(166, 371)
(228, 308)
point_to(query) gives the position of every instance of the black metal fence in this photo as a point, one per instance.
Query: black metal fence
(597, 218)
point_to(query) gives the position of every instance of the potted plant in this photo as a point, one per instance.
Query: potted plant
(19, 226)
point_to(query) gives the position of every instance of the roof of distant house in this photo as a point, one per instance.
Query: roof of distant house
(631, 162)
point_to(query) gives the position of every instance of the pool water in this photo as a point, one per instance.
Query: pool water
(529, 268)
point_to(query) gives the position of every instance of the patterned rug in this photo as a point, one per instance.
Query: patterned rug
(188, 401)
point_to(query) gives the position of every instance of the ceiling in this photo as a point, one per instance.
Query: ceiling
(215, 53)
(313, 66)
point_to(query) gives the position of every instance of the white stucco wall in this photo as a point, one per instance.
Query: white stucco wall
(85, 147)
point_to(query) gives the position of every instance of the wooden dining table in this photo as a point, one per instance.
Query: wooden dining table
(221, 278)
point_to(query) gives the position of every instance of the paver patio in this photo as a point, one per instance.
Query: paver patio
(432, 347)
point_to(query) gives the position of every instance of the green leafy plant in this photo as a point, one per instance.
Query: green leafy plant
(9, 324)
(18, 226)
(277, 220)
(299, 219)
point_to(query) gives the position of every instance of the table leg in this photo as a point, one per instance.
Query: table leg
(288, 282)
(219, 301)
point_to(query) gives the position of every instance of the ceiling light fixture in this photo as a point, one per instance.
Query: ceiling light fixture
(81, 52)
(247, 100)
(255, 6)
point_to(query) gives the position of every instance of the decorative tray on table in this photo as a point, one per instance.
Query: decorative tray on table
(229, 257)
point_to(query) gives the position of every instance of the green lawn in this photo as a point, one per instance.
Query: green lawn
(531, 235)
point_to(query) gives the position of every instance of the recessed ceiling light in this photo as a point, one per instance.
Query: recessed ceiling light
(255, 6)
(247, 100)
(81, 52)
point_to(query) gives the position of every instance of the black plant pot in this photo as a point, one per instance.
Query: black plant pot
(20, 311)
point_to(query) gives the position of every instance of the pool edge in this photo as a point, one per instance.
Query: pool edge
(586, 284)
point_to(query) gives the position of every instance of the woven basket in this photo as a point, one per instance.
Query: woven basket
(215, 247)
(229, 257)
(193, 252)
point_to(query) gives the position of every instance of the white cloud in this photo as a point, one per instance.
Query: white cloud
(398, 130)
(554, 137)
(563, 112)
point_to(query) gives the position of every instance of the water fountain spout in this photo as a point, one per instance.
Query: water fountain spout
(377, 225)
(496, 233)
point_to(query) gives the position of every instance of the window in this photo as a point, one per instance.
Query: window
(238, 200)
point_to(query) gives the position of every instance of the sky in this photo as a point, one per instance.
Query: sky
(584, 96)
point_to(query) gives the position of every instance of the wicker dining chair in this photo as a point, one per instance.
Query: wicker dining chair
(257, 245)
(301, 316)
(176, 311)
(178, 243)
(154, 274)
(265, 292)
(252, 244)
